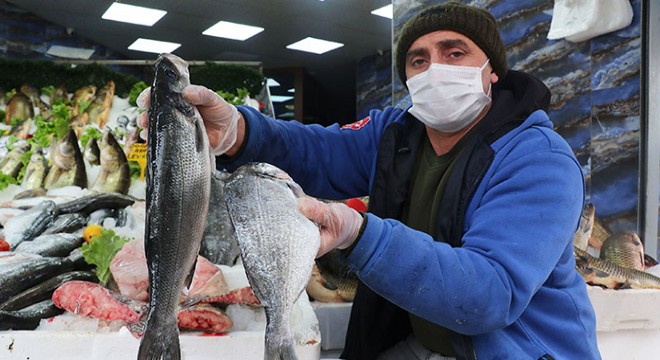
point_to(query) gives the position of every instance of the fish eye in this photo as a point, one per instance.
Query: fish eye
(170, 73)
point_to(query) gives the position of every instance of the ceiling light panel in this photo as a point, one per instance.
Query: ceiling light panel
(314, 45)
(386, 11)
(133, 14)
(69, 52)
(153, 46)
(234, 31)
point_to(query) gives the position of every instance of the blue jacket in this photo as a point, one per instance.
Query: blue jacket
(509, 287)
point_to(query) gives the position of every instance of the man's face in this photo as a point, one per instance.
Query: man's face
(449, 48)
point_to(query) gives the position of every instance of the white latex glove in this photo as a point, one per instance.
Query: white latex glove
(220, 117)
(338, 223)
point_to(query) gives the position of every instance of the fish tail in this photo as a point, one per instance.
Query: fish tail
(279, 341)
(284, 350)
(160, 344)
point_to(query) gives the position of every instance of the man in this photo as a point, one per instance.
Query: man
(466, 251)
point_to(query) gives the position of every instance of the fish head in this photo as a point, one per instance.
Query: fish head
(92, 151)
(22, 146)
(112, 155)
(38, 156)
(171, 73)
(273, 173)
(67, 150)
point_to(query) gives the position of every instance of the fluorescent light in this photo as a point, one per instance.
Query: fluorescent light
(313, 45)
(386, 11)
(230, 30)
(153, 46)
(279, 98)
(69, 52)
(271, 82)
(133, 14)
(292, 90)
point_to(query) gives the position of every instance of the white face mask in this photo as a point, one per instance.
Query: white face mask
(448, 98)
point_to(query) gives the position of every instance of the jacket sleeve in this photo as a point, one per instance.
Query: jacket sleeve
(328, 162)
(527, 209)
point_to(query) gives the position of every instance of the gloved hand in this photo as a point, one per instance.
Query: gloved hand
(339, 224)
(220, 117)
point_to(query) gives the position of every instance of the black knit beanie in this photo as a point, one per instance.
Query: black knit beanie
(475, 23)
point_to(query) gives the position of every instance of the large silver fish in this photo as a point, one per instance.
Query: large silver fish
(30, 224)
(278, 246)
(178, 178)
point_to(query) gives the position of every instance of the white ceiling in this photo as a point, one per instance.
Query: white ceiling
(285, 21)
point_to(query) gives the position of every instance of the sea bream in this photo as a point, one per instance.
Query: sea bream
(278, 246)
(178, 180)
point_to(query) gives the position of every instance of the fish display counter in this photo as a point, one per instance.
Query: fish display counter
(627, 322)
(86, 330)
(71, 337)
(72, 219)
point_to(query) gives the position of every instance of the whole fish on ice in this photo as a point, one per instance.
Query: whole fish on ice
(68, 166)
(278, 246)
(115, 174)
(30, 224)
(178, 178)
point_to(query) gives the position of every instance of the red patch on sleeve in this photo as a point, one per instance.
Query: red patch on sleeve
(357, 125)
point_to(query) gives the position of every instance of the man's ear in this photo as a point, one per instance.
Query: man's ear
(494, 78)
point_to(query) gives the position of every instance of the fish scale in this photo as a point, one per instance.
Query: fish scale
(278, 245)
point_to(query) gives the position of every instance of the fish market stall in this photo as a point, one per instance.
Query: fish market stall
(71, 336)
(59, 304)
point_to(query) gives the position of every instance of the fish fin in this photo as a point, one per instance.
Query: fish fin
(161, 343)
(287, 351)
(189, 278)
(649, 260)
(280, 350)
(199, 137)
(296, 189)
(137, 328)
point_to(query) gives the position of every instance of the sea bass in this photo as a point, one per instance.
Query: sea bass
(19, 107)
(30, 224)
(99, 109)
(278, 246)
(68, 167)
(36, 171)
(178, 178)
(115, 174)
(12, 163)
